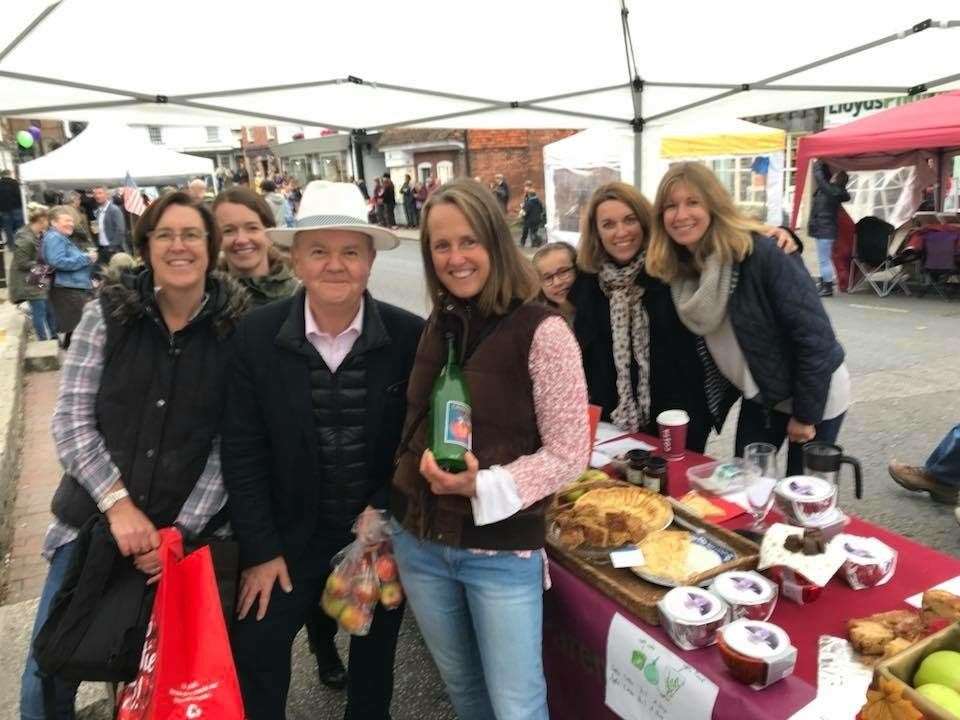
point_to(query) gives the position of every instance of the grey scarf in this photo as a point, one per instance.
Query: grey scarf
(631, 331)
(701, 302)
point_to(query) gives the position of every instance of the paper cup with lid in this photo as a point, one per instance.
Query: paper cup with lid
(869, 562)
(757, 653)
(691, 616)
(805, 499)
(749, 594)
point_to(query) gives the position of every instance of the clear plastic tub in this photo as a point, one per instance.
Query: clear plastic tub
(721, 477)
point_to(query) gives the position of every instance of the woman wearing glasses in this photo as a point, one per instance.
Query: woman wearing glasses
(137, 418)
(556, 265)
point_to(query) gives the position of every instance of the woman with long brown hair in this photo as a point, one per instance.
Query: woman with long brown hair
(470, 544)
(757, 310)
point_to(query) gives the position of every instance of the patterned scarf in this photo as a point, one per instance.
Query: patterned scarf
(631, 331)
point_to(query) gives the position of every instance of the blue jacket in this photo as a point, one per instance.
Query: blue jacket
(73, 266)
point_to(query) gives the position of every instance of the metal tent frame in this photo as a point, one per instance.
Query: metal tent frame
(635, 83)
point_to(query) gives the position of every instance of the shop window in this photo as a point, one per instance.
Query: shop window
(213, 133)
(156, 134)
(424, 170)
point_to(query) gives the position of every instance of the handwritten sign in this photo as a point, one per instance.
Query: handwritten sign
(648, 681)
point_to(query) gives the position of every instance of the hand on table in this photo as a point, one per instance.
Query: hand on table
(256, 585)
(444, 483)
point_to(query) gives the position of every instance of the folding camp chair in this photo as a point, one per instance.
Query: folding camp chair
(873, 259)
(939, 262)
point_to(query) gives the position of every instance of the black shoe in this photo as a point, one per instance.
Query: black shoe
(330, 669)
(826, 289)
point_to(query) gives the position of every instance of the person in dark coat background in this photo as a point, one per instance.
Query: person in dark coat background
(389, 201)
(822, 226)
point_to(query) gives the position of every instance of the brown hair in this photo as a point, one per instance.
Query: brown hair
(729, 233)
(592, 256)
(151, 218)
(512, 277)
(250, 200)
(35, 211)
(552, 247)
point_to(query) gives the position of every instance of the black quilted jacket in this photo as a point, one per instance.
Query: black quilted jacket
(783, 330)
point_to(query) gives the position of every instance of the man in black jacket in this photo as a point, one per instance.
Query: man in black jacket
(316, 403)
(389, 200)
(11, 217)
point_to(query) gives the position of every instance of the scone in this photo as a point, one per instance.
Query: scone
(941, 604)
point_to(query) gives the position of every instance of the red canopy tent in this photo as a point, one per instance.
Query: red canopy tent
(901, 136)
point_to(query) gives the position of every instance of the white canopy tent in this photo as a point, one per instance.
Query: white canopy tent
(105, 153)
(596, 63)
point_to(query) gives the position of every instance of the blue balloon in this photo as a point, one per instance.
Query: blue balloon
(34, 131)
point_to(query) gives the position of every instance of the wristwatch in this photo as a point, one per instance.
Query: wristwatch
(112, 498)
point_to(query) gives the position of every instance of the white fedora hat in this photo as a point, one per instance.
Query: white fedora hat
(334, 206)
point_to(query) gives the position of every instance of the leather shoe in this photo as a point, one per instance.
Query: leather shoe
(333, 676)
(917, 479)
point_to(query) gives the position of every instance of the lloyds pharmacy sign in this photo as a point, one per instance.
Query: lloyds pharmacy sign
(842, 113)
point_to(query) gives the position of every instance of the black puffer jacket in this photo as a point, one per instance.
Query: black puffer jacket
(827, 199)
(783, 330)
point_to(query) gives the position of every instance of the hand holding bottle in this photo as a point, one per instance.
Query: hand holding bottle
(444, 483)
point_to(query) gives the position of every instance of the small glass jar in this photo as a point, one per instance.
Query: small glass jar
(655, 475)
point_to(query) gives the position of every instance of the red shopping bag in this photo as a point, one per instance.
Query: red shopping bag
(186, 670)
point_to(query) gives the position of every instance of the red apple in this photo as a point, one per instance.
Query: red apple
(355, 620)
(365, 591)
(391, 595)
(386, 568)
(338, 585)
(331, 605)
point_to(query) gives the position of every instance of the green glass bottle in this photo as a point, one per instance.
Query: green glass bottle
(451, 429)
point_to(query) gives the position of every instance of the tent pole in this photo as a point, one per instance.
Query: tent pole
(247, 91)
(22, 112)
(78, 85)
(28, 29)
(252, 114)
(636, 95)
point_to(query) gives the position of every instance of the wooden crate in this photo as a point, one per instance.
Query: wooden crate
(633, 592)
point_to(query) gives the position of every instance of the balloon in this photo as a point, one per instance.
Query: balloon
(24, 139)
(34, 132)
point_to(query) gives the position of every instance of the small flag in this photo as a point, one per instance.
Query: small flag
(132, 200)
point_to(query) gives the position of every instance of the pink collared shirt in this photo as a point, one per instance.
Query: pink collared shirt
(333, 349)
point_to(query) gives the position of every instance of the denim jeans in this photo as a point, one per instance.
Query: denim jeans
(10, 222)
(44, 324)
(31, 689)
(944, 462)
(482, 619)
(825, 259)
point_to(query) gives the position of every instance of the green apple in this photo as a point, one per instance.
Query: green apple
(939, 668)
(941, 696)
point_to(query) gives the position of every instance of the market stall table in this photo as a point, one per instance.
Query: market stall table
(577, 619)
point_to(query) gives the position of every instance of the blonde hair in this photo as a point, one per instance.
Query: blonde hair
(591, 255)
(512, 276)
(35, 211)
(728, 235)
(58, 210)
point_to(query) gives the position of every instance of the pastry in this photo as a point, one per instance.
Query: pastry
(871, 635)
(941, 604)
(611, 517)
(700, 506)
(665, 554)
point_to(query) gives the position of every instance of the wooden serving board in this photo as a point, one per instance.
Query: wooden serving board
(636, 594)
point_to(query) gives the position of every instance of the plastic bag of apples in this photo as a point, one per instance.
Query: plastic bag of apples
(364, 574)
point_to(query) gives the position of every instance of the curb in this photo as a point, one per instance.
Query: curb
(13, 342)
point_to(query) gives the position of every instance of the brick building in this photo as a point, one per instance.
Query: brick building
(421, 153)
(515, 153)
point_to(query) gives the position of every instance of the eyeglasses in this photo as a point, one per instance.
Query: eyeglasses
(190, 236)
(563, 273)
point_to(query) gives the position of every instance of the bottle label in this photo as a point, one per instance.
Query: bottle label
(457, 428)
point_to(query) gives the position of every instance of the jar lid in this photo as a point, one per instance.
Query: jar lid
(743, 588)
(755, 639)
(865, 550)
(692, 606)
(806, 488)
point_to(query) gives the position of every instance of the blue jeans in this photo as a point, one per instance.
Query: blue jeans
(44, 324)
(10, 222)
(944, 462)
(482, 619)
(825, 259)
(31, 690)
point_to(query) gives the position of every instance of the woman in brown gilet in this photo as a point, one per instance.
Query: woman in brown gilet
(470, 545)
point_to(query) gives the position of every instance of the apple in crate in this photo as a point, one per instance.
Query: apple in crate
(391, 595)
